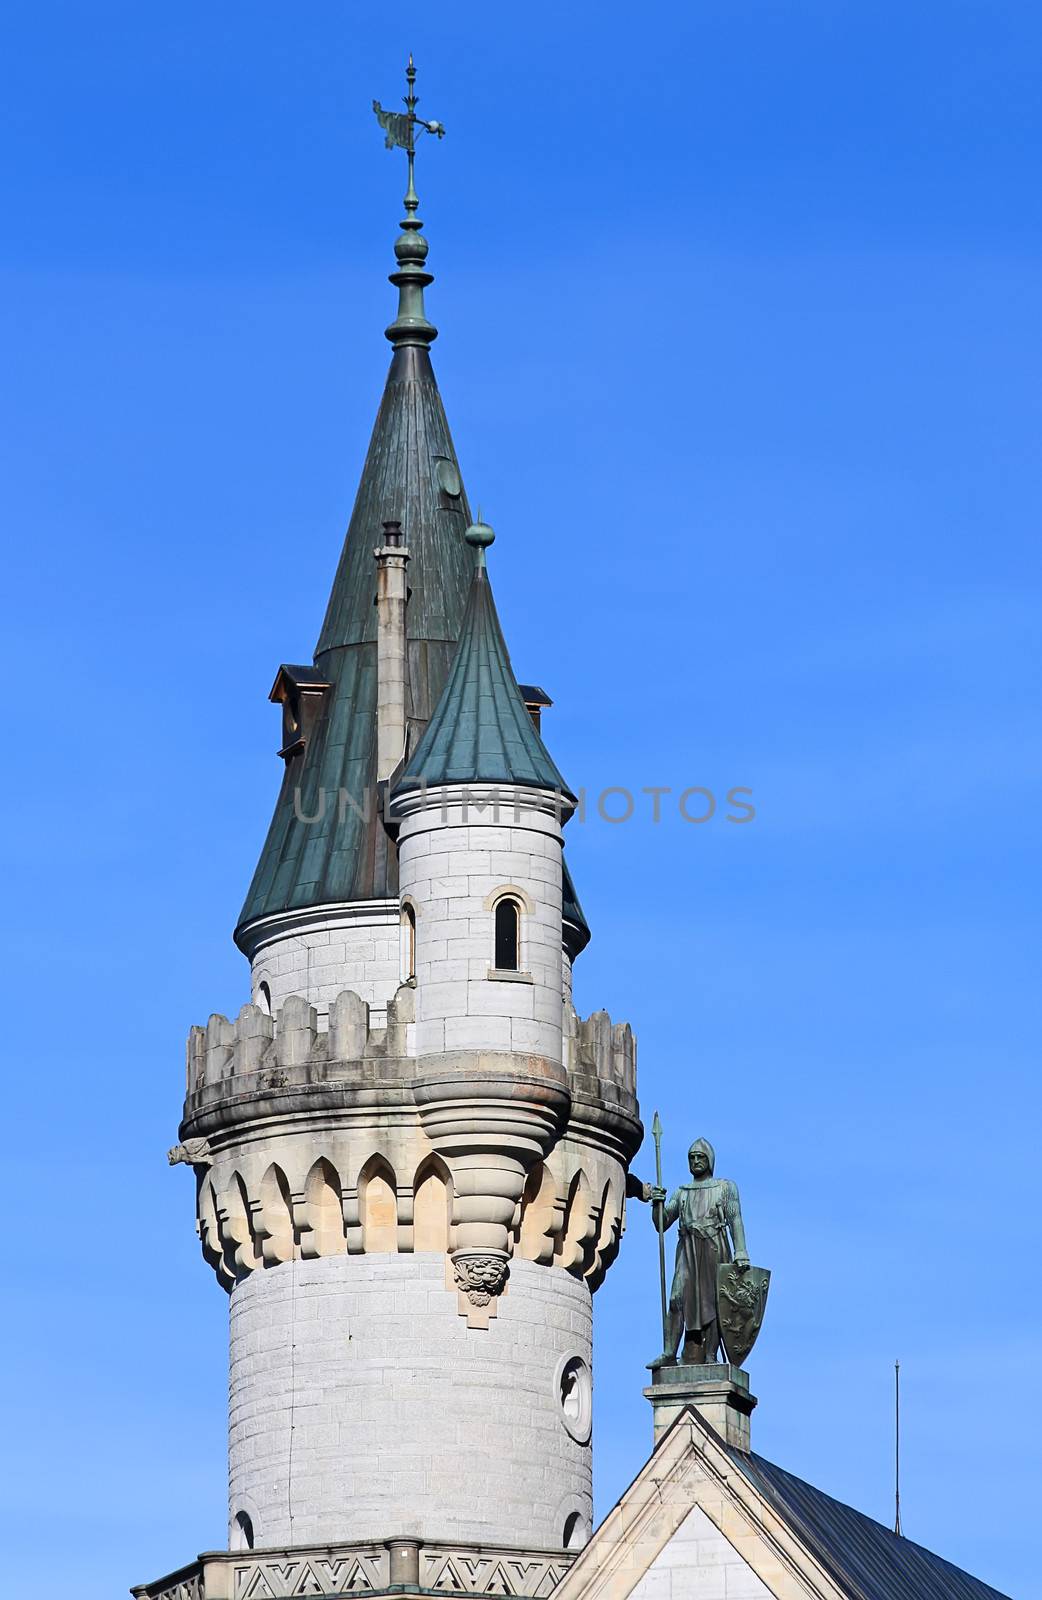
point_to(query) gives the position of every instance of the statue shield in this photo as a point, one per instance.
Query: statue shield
(742, 1296)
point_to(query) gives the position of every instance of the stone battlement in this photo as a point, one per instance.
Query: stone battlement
(311, 1141)
(260, 1053)
(601, 1057)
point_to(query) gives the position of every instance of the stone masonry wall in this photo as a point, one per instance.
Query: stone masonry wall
(453, 862)
(356, 952)
(362, 1406)
(699, 1563)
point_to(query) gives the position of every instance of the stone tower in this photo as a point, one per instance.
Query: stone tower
(410, 1155)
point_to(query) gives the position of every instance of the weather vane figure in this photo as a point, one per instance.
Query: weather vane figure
(400, 130)
(410, 326)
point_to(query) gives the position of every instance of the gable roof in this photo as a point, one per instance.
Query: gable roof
(798, 1541)
(870, 1561)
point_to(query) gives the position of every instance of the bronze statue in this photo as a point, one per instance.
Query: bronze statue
(712, 1235)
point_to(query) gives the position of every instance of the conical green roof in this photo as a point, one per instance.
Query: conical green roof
(410, 474)
(573, 918)
(481, 731)
(327, 843)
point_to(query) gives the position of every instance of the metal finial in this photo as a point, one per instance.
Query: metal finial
(656, 1134)
(897, 1447)
(411, 325)
(480, 536)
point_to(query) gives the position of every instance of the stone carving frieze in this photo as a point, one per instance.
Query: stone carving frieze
(362, 1569)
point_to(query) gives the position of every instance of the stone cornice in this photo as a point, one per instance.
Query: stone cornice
(254, 936)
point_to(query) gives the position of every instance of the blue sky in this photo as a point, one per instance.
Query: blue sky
(740, 346)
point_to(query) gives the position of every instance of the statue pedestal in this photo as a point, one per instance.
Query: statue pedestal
(718, 1391)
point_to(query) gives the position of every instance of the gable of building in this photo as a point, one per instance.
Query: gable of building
(705, 1522)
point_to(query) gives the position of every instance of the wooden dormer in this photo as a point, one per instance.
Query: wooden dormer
(300, 692)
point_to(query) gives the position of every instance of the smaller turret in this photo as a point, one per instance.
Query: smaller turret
(480, 809)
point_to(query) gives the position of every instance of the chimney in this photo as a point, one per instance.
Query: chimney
(391, 662)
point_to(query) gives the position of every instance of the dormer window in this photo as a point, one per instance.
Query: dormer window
(536, 701)
(507, 935)
(300, 691)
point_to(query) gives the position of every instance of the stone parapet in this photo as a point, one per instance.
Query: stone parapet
(371, 1568)
(259, 1053)
(601, 1057)
(310, 1141)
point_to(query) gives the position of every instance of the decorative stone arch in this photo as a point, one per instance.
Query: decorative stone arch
(432, 1206)
(538, 1216)
(378, 1207)
(579, 1227)
(513, 892)
(235, 1226)
(609, 1236)
(274, 1218)
(322, 1233)
(210, 1232)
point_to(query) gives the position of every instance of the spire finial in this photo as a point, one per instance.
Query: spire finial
(479, 535)
(411, 325)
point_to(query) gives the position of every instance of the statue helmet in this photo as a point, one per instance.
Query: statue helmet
(706, 1149)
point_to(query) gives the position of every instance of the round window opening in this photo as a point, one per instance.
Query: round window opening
(574, 1390)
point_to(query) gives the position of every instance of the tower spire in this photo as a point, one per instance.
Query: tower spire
(410, 326)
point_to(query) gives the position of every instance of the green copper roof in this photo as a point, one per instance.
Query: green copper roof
(481, 730)
(410, 473)
(327, 842)
(576, 927)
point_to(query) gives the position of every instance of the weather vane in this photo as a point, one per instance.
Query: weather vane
(400, 130)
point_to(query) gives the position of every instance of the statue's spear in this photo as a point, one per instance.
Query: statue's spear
(656, 1134)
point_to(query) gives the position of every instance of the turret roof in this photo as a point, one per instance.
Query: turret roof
(481, 729)
(326, 842)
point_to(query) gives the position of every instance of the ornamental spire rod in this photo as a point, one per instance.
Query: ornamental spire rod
(410, 327)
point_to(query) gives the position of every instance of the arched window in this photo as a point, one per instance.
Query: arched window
(576, 1532)
(508, 935)
(263, 998)
(408, 942)
(242, 1531)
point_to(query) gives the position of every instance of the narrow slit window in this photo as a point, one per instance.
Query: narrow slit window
(408, 942)
(508, 931)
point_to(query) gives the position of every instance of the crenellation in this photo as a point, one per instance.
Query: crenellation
(254, 1031)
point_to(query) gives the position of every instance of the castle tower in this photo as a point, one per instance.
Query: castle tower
(411, 1156)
